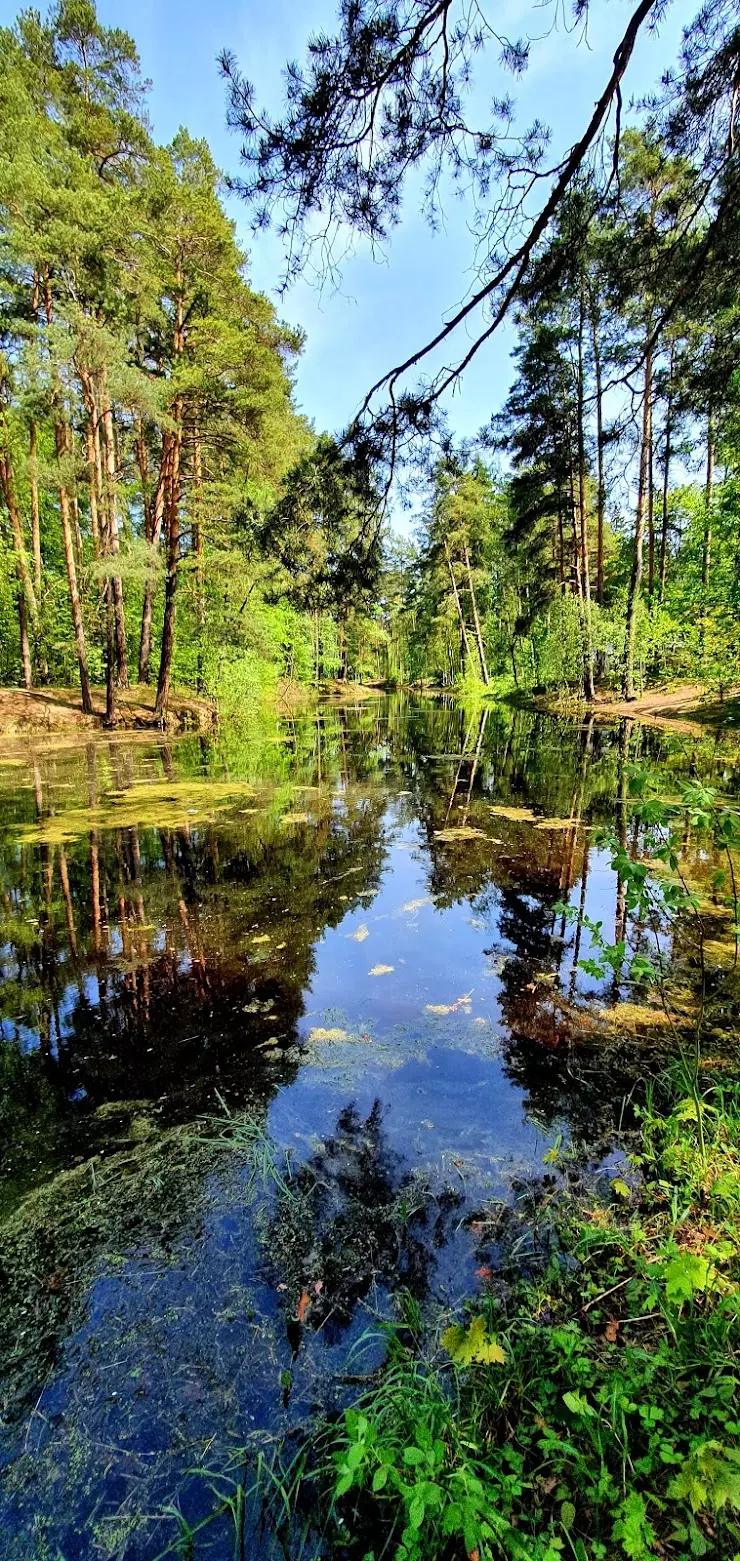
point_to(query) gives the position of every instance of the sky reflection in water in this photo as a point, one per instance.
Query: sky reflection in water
(346, 926)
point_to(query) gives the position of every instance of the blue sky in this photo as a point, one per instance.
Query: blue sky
(388, 307)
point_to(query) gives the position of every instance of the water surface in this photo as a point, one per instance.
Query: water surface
(344, 927)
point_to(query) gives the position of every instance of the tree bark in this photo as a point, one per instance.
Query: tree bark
(633, 596)
(651, 523)
(173, 567)
(157, 513)
(476, 620)
(588, 652)
(25, 642)
(60, 439)
(35, 511)
(111, 471)
(458, 604)
(601, 491)
(200, 601)
(667, 452)
(706, 554)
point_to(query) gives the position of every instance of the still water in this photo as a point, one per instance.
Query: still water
(280, 1012)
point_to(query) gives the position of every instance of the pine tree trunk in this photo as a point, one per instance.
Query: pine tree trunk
(575, 524)
(157, 518)
(588, 652)
(111, 713)
(651, 524)
(706, 555)
(74, 595)
(463, 627)
(25, 642)
(601, 492)
(111, 468)
(60, 439)
(476, 620)
(35, 512)
(173, 568)
(200, 600)
(667, 452)
(633, 596)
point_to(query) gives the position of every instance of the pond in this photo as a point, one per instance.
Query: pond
(281, 1010)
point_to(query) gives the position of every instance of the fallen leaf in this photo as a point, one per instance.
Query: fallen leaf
(264, 937)
(611, 1330)
(381, 970)
(282, 1287)
(303, 1306)
(473, 1343)
(484, 1272)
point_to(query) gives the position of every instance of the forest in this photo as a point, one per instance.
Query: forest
(369, 935)
(168, 517)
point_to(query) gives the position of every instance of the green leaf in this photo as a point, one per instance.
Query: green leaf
(621, 1189)
(578, 1405)
(710, 1478)
(413, 1456)
(380, 1479)
(684, 1275)
(467, 1345)
(567, 1514)
(416, 1512)
(634, 1529)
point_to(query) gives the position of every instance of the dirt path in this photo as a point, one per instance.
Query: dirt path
(55, 712)
(689, 708)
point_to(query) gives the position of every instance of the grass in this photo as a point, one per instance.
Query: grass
(584, 1405)
(591, 1411)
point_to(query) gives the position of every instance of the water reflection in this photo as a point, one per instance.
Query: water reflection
(346, 923)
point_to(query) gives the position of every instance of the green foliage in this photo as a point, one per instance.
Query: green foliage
(608, 1425)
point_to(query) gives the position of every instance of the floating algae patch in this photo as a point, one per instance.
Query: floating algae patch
(82, 1221)
(462, 832)
(516, 815)
(163, 804)
(557, 823)
(361, 934)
